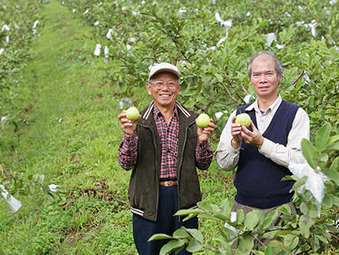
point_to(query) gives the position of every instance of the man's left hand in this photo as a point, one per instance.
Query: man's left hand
(205, 133)
(254, 138)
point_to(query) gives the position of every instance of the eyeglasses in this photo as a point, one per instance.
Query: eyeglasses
(161, 84)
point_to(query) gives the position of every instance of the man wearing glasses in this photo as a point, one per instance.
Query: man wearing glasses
(163, 149)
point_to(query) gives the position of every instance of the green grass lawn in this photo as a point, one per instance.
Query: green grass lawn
(69, 133)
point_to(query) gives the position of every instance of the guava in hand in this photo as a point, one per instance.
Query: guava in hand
(132, 113)
(243, 119)
(203, 120)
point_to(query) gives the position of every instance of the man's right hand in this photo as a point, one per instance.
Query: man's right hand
(236, 134)
(128, 126)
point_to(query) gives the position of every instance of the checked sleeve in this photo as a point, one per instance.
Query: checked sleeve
(128, 151)
(203, 155)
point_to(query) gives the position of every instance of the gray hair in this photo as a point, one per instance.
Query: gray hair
(278, 67)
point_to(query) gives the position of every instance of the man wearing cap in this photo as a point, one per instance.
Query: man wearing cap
(163, 149)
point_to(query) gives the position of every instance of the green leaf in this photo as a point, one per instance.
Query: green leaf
(270, 234)
(251, 220)
(221, 216)
(180, 233)
(269, 250)
(323, 239)
(327, 201)
(285, 209)
(324, 157)
(309, 152)
(332, 174)
(278, 244)
(171, 246)
(240, 216)
(245, 244)
(225, 204)
(194, 246)
(332, 147)
(190, 216)
(335, 164)
(183, 212)
(305, 224)
(335, 200)
(206, 216)
(196, 234)
(291, 241)
(159, 237)
(333, 139)
(269, 218)
(323, 134)
(299, 183)
(205, 206)
(260, 214)
(39, 178)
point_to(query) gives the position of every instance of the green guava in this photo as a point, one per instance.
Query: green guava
(203, 120)
(132, 113)
(243, 119)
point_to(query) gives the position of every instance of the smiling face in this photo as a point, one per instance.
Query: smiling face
(164, 96)
(264, 77)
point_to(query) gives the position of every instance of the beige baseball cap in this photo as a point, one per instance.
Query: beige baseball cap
(163, 67)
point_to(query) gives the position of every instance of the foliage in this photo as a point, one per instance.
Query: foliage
(17, 29)
(212, 52)
(307, 232)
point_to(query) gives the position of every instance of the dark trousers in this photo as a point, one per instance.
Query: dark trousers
(166, 223)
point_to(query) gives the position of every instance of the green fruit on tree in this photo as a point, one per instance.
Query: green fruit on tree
(132, 113)
(203, 120)
(243, 119)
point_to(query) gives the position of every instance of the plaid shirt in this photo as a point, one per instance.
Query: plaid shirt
(168, 134)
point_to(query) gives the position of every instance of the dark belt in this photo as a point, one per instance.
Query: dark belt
(168, 183)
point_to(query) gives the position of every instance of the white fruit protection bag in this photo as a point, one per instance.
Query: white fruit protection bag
(12, 202)
(314, 185)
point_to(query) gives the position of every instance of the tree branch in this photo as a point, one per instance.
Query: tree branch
(229, 93)
(298, 78)
(243, 88)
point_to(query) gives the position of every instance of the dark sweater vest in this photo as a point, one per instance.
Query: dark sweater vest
(258, 179)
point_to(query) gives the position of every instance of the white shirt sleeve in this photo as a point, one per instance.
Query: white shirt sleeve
(225, 155)
(283, 155)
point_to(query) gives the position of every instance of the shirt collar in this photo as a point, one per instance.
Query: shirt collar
(272, 108)
(157, 112)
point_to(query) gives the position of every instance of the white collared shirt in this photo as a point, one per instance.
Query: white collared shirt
(227, 157)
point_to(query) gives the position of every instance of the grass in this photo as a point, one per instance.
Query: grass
(70, 134)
